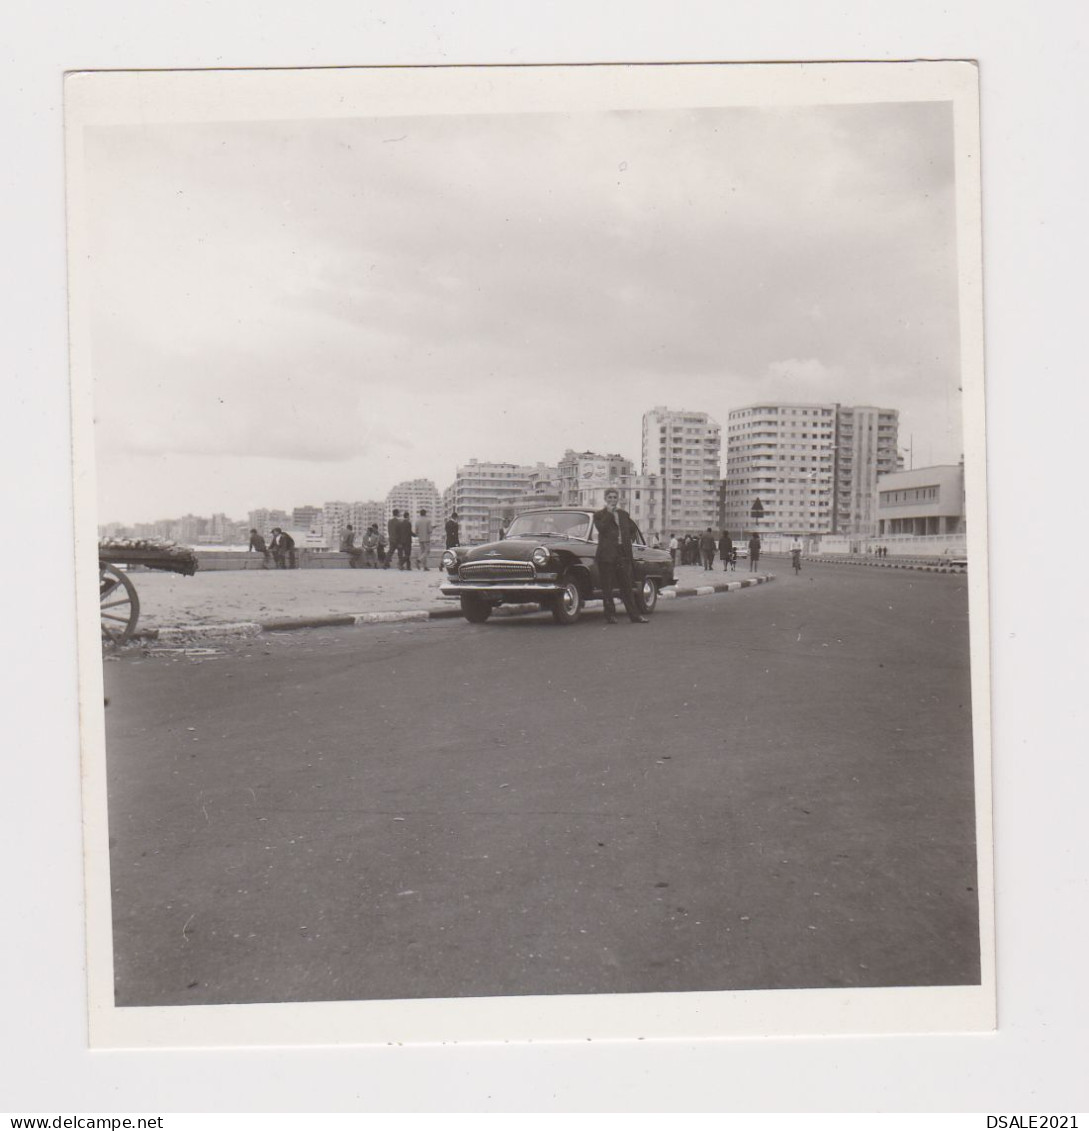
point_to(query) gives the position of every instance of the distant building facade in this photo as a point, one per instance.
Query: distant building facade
(806, 468)
(307, 518)
(334, 519)
(683, 448)
(370, 513)
(583, 477)
(482, 493)
(543, 490)
(263, 520)
(411, 495)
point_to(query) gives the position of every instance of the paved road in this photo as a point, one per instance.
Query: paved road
(767, 789)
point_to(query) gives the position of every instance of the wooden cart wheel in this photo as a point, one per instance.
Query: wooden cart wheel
(120, 607)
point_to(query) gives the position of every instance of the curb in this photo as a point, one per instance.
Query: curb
(922, 567)
(350, 620)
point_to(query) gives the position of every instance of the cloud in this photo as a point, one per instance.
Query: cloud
(503, 286)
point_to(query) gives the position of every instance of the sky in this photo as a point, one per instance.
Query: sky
(285, 313)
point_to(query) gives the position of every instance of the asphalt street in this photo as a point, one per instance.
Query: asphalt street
(766, 789)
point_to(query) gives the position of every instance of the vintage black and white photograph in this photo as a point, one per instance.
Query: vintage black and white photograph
(539, 525)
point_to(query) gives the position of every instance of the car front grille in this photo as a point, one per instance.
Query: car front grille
(496, 571)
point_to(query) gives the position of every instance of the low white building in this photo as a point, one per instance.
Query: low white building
(925, 502)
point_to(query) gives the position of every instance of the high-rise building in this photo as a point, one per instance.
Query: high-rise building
(867, 444)
(806, 468)
(362, 515)
(543, 490)
(263, 520)
(482, 494)
(307, 518)
(683, 448)
(411, 495)
(334, 518)
(643, 497)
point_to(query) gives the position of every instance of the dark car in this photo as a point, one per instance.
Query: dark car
(547, 557)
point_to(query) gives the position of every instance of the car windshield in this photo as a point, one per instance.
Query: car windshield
(557, 524)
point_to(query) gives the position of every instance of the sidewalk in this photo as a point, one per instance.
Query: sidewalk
(276, 600)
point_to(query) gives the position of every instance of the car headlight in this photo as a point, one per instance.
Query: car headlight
(540, 557)
(449, 559)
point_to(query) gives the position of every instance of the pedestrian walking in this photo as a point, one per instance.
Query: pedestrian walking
(707, 549)
(257, 545)
(674, 546)
(615, 561)
(453, 531)
(754, 552)
(423, 536)
(725, 549)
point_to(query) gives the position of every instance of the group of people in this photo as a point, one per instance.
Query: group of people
(694, 549)
(379, 551)
(371, 551)
(279, 551)
(376, 549)
(878, 551)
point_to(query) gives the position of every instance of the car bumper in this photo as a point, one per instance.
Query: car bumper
(501, 588)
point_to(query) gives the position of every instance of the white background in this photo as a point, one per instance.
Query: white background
(1033, 103)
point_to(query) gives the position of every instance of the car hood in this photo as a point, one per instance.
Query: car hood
(511, 549)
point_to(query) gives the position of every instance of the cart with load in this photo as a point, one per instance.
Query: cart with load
(118, 602)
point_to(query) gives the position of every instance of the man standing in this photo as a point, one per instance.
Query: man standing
(453, 531)
(615, 564)
(754, 552)
(707, 549)
(423, 535)
(393, 541)
(725, 549)
(404, 550)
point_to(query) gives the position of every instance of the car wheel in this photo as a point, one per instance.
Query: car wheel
(647, 597)
(475, 609)
(567, 607)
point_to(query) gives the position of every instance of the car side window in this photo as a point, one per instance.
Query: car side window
(636, 537)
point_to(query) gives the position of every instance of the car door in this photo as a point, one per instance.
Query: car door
(639, 556)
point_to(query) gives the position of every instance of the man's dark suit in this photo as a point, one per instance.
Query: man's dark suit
(615, 563)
